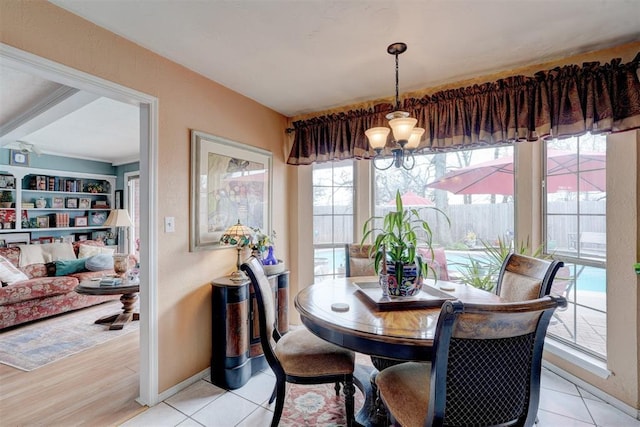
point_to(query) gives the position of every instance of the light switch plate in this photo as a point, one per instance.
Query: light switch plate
(169, 224)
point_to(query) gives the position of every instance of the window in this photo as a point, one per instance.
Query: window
(333, 213)
(575, 226)
(469, 186)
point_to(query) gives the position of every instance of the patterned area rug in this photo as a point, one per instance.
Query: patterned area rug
(316, 405)
(37, 344)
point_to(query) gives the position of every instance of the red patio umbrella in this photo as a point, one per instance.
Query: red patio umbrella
(496, 176)
(411, 199)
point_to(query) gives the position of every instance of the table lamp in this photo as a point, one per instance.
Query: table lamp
(240, 236)
(119, 218)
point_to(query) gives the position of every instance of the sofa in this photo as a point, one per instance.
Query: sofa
(38, 281)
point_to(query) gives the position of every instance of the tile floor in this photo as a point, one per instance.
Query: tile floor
(562, 404)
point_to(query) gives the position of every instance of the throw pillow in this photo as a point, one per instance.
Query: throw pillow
(70, 266)
(99, 262)
(59, 250)
(9, 274)
(31, 254)
(87, 251)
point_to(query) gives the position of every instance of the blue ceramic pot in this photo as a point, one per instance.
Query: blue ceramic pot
(406, 284)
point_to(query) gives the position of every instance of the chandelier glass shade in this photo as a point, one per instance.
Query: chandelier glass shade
(406, 137)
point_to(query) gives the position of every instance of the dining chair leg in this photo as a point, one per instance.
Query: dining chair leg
(337, 388)
(349, 392)
(277, 411)
(273, 394)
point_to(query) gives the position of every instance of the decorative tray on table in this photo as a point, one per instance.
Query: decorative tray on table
(427, 297)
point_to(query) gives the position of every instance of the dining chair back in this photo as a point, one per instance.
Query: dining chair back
(298, 356)
(524, 278)
(485, 369)
(358, 261)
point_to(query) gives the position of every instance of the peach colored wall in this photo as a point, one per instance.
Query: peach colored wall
(186, 101)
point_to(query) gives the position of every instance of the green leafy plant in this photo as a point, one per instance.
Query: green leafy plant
(6, 197)
(398, 239)
(483, 272)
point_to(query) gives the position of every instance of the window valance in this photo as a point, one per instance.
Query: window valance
(562, 102)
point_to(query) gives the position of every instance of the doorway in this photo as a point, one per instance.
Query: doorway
(148, 107)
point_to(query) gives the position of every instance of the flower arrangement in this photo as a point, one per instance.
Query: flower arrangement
(262, 241)
(95, 187)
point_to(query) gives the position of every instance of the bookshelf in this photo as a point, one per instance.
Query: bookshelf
(54, 205)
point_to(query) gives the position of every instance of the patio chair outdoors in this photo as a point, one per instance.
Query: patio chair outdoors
(298, 357)
(358, 262)
(524, 278)
(485, 370)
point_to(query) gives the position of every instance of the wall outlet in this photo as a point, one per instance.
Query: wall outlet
(169, 224)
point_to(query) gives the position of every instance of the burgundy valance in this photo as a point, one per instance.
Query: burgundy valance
(562, 102)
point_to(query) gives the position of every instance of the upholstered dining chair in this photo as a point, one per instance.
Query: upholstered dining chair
(298, 357)
(359, 262)
(485, 369)
(524, 278)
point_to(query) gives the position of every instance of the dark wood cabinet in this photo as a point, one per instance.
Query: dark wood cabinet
(236, 353)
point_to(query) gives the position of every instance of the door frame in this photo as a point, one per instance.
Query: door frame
(148, 104)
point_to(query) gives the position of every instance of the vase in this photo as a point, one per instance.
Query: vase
(41, 203)
(270, 259)
(410, 281)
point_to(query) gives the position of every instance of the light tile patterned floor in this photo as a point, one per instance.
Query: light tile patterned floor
(562, 404)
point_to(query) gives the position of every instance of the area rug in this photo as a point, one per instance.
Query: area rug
(316, 405)
(37, 344)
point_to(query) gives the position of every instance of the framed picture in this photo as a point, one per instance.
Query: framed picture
(84, 203)
(47, 239)
(18, 158)
(57, 202)
(72, 203)
(67, 239)
(99, 236)
(42, 221)
(118, 199)
(81, 237)
(230, 182)
(98, 218)
(80, 221)
(15, 239)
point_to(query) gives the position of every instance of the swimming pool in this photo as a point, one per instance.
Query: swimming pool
(332, 261)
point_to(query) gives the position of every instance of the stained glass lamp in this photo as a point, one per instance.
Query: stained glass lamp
(240, 236)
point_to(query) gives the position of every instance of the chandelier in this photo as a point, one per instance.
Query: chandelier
(406, 137)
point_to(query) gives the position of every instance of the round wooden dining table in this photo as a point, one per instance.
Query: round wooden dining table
(340, 312)
(351, 313)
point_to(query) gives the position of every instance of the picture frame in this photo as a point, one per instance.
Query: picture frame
(18, 158)
(84, 203)
(81, 237)
(42, 221)
(98, 218)
(47, 239)
(230, 182)
(80, 221)
(67, 239)
(57, 202)
(72, 203)
(15, 239)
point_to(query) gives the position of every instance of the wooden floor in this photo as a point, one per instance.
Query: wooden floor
(96, 387)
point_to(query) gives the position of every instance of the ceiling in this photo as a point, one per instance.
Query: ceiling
(298, 57)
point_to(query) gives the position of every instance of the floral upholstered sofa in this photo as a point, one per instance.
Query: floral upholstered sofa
(38, 281)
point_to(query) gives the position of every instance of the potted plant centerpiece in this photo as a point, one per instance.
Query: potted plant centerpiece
(395, 248)
(6, 199)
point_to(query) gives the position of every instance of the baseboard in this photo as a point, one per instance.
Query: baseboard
(618, 404)
(184, 384)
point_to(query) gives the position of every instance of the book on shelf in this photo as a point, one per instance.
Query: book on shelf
(27, 205)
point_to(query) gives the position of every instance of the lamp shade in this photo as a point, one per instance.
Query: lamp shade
(402, 128)
(414, 139)
(377, 137)
(237, 235)
(118, 218)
